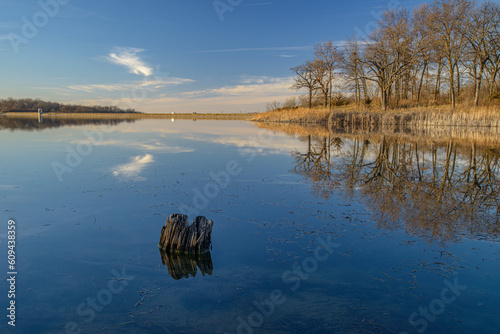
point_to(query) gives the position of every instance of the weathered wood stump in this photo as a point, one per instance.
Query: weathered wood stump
(178, 236)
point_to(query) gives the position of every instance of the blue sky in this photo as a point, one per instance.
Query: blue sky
(169, 55)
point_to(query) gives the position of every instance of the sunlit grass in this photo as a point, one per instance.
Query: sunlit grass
(415, 117)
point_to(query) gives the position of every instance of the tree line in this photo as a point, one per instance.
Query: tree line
(442, 52)
(27, 105)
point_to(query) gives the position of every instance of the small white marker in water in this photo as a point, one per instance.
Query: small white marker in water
(40, 117)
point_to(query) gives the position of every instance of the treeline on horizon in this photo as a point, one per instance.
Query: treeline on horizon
(443, 52)
(32, 105)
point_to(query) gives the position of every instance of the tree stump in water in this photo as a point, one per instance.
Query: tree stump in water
(178, 236)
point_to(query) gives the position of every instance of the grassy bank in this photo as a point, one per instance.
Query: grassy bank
(296, 115)
(368, 120)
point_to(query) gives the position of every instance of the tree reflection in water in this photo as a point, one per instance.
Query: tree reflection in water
(438, 190)
(38, 124)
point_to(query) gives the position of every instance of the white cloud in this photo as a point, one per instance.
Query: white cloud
(249, 94)
(252, 86)
(148, 85)
(132, 170)
(150, 145)
(285, 48)
(129, 58)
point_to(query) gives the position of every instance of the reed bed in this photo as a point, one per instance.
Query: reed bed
(296, 115)
(414, 120)
(416, 117)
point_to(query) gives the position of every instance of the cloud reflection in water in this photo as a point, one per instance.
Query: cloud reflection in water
(131, 171)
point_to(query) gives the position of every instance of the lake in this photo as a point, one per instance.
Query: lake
(313, 232)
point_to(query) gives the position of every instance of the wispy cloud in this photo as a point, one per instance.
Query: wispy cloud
(129, 58)
(149, 145)
(257, 4)
(285, 48)
(132, 170)
(272, 49)
(250, 86)
(149, 85)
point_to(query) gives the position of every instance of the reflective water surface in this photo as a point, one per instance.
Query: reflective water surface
(314, 232)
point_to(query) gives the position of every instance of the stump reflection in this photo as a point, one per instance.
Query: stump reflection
(185, 265)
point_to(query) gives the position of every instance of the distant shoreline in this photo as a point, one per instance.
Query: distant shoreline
(338, 118)
(125, 116)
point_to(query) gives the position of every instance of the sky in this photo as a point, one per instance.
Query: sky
(163, 56)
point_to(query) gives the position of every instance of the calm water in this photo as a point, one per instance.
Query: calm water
(312, 234)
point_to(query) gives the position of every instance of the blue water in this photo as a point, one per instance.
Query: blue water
(89, 201)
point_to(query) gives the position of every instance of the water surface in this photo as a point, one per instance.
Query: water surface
(312, 234)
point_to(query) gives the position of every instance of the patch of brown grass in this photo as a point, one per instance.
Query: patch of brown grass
(296, 115)
(413, 117)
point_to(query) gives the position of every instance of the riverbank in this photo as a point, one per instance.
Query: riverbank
(127, 116)
(412, 118)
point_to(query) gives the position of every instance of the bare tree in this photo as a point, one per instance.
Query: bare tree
(353, 69)
(327, 56)
(493, 65)
(445, 20)
(305, 79)
(390, 51)
(478, 32)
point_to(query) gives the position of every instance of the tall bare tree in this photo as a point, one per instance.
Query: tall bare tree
(478, 32)
(493, 65)
(327, 56)
(390, 51)
(445, 24)
(305, 79)
(353, 69)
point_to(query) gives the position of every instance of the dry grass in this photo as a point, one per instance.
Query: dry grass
(414, 120)
(298, 115)
(295, 129)
(415, 117)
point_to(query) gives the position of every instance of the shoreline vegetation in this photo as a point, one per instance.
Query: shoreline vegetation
(442, 52)
(480, 126)
(368, 120)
